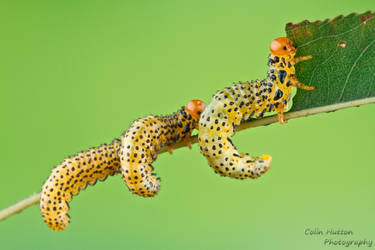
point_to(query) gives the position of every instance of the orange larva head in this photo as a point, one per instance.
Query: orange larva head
(282, 46)
(195, 108)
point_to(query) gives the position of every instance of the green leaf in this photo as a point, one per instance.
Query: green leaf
(343, 64)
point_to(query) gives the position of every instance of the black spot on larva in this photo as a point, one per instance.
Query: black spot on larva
(270, 108)
(262, 113)
(230, 141)
(281, 74)
(176, 137)
(237, 155)
(278, 95)
(186, 129)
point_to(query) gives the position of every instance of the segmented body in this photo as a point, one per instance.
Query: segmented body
(140, 144)
(239, 102)
(132, 156)
(72, 176)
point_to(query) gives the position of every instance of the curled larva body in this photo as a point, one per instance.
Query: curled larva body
(132, 156)
(241, 101)
(73, 175)
(140, 144)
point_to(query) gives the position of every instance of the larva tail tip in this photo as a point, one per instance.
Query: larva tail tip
(266, 158)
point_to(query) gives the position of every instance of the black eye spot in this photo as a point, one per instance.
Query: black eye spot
(284, 47)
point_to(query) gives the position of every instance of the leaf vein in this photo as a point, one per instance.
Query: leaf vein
(351, 69)
(324, 37)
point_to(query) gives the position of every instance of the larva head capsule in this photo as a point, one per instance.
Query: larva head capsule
(282, 46)
(195, 108)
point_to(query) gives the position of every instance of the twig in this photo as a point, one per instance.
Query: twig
(19, 206)
(34, 199)
(288, 116)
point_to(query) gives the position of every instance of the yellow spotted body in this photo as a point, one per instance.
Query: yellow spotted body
(140, 144)
(132, 156)
(231, 106)
(72, 176)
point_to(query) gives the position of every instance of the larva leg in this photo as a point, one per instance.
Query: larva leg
(295, 83)
(170, 150)
(302, 58)
(73, 175)
(280, 114)
(187, 140)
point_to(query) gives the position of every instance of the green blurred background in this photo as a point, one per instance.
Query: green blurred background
(75, 74)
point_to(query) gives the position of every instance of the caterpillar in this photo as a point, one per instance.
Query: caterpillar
(140, 144)
(132, 156)
(243, 100)
(73, 175)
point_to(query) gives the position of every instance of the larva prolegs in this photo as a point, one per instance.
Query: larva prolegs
(280, 114)
(72, 176)
(140, 180)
